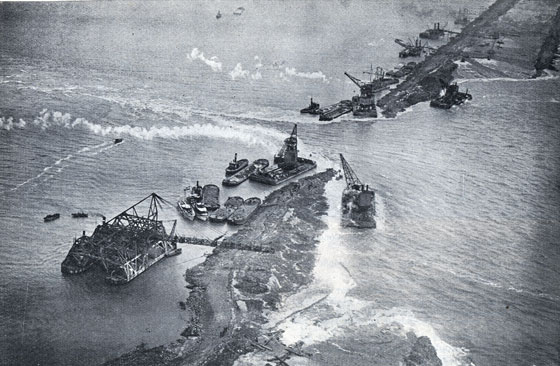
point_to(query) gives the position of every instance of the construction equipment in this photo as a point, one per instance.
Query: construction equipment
(358, 201)
(124, 246)
(451, 97)
(412, 49)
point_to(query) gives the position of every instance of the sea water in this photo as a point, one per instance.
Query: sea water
(466, 249)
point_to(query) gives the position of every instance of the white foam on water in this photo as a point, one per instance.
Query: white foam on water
(332, 282)
(213, 61)
(7, 123)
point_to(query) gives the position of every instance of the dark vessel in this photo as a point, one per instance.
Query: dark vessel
(462, 17)
(451, 97)
(219, 15)
(434, 33)
(242, 214)
(236, 165)
(211, 197)
(336, 110)
(411, 49)
(124, 246)
(244, 174)
(358, 201)
(313, 108)
(239, 11)
(229, 207)
(118, 141)
(51, 217)
(79, 214)
(363, 105)
(287, 164)
(402, 71)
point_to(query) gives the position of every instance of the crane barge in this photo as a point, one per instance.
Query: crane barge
(124, 246)
(358, 201)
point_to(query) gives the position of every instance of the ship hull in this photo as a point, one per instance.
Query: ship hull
(355, 216)
(278, 175)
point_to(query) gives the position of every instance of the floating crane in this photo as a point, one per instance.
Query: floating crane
(124, 246)
(358, 201)
(412, 49)
(352, 180)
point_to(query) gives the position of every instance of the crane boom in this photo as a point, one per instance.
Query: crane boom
(351, 177)
(354, 80)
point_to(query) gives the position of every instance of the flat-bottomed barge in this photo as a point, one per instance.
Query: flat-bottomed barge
(124, 246)
(287, 164)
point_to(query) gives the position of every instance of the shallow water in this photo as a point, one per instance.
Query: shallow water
(466, 251)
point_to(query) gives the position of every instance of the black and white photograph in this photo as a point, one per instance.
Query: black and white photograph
(280, 183)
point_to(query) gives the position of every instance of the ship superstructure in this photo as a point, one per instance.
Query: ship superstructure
(358, 200)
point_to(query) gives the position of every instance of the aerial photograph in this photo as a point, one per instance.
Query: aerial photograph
(280, 183)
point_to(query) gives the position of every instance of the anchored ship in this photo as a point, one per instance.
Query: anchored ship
(313, 108)
(242, 175)
(287, 164)
(236, 165)
(124, 246)
(358, 201)
(451, 97)
(363, 105)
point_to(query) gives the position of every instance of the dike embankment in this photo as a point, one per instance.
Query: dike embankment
(512, 38)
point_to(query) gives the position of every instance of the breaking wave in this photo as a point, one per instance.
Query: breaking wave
(238, 72)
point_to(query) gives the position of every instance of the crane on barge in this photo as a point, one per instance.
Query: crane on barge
(126, 245)
(358, 201)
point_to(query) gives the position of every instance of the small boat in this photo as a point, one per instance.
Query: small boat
(243, 213)
(79, 214)
(51, 217)
(200, 211)
(219, 15)
(211, 197)
(236, 165)
(239, 11)
(244, 174)
(185, 209)
(118, 141)
(229, 207)
(313, 108)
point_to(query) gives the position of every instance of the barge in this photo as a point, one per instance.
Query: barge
(287, 164)
(125, 246)
(224, 212)
(242, 214)
(358, 201)
(244, 174)
(211, 197)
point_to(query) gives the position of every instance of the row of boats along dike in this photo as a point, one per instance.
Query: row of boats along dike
(203, 202)
(132, 241)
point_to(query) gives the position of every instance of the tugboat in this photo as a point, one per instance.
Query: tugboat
(242, 214)
(223, 213)
(236, 165)
(435, 33)
(117, 141)
(451, 97)
(287, 164)
(313, 108)
(358, 201)
(51, 217)
(219, 15)
(79, 214)
(245, 173)
(185, 209)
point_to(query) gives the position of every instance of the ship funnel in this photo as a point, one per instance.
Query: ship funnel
(235, 158)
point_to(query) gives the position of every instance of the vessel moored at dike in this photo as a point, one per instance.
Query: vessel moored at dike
(287, 164)
(358, 201)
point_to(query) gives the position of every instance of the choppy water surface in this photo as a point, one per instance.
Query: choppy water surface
(467, 248)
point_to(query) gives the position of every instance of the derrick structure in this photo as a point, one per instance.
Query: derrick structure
(124, 246)
(352, 180)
